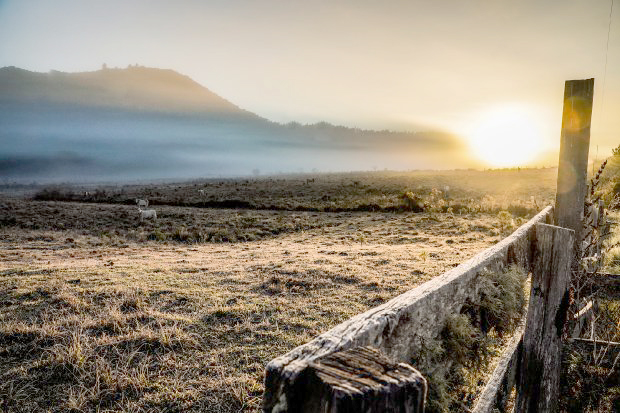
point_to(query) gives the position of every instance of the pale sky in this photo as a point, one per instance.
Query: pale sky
(372, 64)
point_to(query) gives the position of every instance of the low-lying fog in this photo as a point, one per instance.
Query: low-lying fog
(80, 145)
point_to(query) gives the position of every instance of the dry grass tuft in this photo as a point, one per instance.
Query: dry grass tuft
(91, 353)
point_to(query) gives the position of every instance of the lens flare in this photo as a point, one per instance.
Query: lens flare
(574, 108)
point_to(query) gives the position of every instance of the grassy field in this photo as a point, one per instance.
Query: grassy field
(100, 312)
(475, 191)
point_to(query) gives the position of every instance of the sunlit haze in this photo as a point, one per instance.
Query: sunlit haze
(492, 73)
(509, 135)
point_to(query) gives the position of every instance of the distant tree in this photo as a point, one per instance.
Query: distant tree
(104, 66)
(616, 151)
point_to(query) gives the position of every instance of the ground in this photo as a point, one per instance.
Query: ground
(99, 312)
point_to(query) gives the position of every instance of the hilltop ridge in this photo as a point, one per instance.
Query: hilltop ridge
(134, 87)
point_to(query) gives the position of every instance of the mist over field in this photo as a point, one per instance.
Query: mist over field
(142, 123)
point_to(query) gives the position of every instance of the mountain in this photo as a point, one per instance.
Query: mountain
(134, 88)
(146, 123)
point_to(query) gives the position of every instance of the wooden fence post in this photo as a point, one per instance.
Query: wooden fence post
(361, 380)
(574, 148)
(539, 375)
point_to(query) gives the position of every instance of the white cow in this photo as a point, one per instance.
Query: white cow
(147, 214)
(142, 203)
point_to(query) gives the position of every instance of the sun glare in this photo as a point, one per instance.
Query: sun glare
(505, 136)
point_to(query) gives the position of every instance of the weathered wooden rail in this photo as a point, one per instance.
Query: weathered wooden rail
(400, 327)
(503, 379)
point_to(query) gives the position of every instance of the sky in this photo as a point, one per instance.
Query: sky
(405, 65)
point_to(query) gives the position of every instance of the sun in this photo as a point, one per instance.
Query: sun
(507, 135)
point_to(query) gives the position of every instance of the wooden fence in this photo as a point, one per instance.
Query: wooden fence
(361, 364)
(400, 327)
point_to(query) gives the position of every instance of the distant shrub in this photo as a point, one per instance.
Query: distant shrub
(505, 220)
(156, 236)
(181, 234)
(55, 194)
(219, 235)
(434, 202)
(8, 222)
(412, 202)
